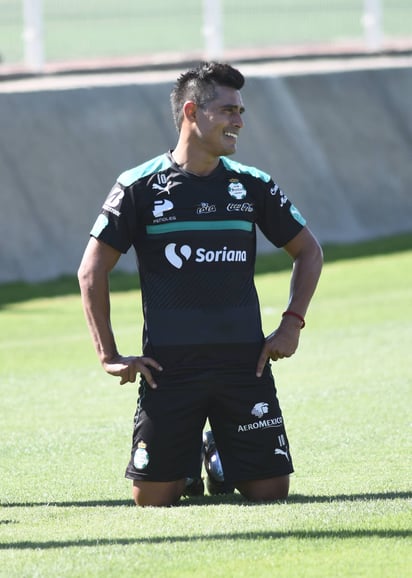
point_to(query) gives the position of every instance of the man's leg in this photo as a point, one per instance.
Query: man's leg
(265, 490)
(250, 433)
(167, 441)
(158, 493)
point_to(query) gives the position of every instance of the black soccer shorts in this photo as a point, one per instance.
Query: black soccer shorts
(244, 414)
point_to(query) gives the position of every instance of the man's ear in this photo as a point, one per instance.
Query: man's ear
(189, 110)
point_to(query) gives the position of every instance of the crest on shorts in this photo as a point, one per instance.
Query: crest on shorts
(141, 457)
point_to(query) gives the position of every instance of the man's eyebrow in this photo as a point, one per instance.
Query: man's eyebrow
(233, 107)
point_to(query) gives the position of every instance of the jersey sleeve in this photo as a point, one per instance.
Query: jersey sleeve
(114, 224)
(278, 219)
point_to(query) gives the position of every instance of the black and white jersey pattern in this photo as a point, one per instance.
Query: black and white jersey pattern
(195, 241)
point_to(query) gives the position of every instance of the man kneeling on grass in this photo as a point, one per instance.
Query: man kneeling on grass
(191, 216)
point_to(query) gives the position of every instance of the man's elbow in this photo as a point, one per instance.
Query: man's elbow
(318, 254)
(311, 250)
(85, 275)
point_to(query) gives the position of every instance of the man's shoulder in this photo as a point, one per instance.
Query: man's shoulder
(150, 167)
(240, 168)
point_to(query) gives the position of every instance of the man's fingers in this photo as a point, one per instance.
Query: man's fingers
(145, 371)
(127, 369)
(273, 354)
(141, 365)
(147, 374)
(152, 362)
(261, 363)
(124, 380)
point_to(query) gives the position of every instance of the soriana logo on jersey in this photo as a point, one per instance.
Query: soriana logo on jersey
(236, 189)
(178, 255)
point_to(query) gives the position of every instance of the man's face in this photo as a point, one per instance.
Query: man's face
(219, 122)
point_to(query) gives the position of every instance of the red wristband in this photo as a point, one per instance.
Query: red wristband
(293, 314)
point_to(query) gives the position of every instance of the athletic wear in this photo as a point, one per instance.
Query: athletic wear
(243, 412)
(195, 240)
(215, 476)
(194, 487)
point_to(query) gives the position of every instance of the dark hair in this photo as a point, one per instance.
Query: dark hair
(199, 84)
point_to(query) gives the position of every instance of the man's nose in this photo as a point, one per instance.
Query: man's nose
(237, 119)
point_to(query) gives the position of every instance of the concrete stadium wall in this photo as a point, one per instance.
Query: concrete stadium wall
(339, 144)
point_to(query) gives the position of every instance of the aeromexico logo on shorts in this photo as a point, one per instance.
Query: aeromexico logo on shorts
(178, 255)
(259, 410)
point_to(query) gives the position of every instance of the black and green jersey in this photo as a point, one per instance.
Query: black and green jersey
(195, 240)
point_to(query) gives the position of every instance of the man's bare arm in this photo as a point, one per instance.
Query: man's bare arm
(98, 260)
(307, 266)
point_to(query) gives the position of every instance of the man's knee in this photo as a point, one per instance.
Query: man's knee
(268, 490)
(157, 494)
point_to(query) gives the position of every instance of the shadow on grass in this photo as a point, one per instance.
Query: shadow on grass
(296, 534)
(222, 499)
(270, 263)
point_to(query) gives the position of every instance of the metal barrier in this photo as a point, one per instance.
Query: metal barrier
(35, 32)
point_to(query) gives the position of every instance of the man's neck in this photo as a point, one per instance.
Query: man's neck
(196, 163)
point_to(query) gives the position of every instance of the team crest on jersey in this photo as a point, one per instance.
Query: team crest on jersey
(236, 189)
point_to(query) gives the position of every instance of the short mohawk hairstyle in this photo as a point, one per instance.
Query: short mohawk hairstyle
(199, 84)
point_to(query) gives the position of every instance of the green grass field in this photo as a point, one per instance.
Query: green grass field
(119, 28)
(65, 431)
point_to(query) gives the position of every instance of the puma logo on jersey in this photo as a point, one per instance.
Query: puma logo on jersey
(166, 188)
